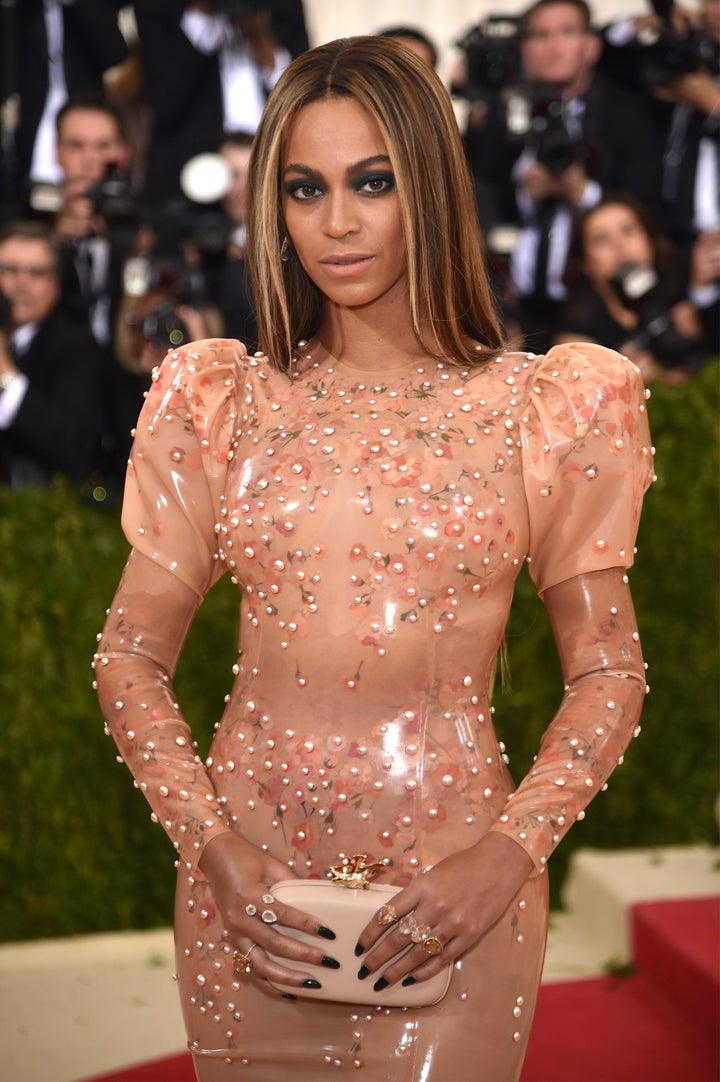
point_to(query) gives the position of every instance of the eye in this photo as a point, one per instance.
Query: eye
(302, 190)
(375, 183)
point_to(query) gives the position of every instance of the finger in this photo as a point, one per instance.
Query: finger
(272, 940)
(414, 965)
(271, 912)
(269, 969)
(386, 916)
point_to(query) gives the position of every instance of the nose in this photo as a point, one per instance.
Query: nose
(340, 214)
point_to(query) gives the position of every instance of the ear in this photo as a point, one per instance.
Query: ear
(593, 48)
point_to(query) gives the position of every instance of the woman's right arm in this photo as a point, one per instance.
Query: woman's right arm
(144, 633)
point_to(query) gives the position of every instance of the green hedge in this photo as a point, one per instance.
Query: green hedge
(77, 850)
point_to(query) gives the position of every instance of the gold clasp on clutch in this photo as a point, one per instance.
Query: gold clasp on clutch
(354, 873)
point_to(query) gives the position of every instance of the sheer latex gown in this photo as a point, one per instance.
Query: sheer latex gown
(375, 521)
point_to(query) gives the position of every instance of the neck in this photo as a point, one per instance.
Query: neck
(357, 336)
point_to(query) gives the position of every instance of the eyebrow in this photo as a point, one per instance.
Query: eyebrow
(365, 163)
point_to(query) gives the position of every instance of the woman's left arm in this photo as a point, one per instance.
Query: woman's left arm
(462, 896)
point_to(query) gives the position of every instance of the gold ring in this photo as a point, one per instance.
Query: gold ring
(432, 945)
(242, 963)
(387, 914)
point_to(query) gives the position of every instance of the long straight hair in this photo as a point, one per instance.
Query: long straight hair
(447, 278)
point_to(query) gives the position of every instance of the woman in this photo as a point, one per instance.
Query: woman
(372, 482)
(625, 289)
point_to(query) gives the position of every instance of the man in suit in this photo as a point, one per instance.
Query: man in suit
(50, 368)
(208, 68)
(60, 48)
(582, 134)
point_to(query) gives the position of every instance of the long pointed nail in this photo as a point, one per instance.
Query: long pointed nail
(362, 973)
(409, 980)
(330, 963)
(326, 933)
(379, 985)
(311, 984)
(358, 949)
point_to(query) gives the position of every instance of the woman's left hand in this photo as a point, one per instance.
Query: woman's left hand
(458, 900)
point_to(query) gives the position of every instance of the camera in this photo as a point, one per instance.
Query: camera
(662, 55)
(636, 286)
(162, 326)
(112, 197)
(492, 55)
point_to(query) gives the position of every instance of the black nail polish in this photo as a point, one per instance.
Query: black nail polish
(311, 984)
(362, 973)
(379, 985)
(288, 995)
(359, 949)
(326, 933)
(409, 980)
(330, 963)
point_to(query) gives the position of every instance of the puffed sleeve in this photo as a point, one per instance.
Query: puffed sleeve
(178, 463)
(587, 461)
(185, 437)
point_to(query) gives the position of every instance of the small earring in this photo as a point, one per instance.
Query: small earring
(285, 249)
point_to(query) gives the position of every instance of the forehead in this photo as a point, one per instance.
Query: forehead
(611, 215)
(335, 129)
(88, 124)
(29, 251)
(555, 16)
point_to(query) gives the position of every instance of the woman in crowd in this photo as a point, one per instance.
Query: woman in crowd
(627, 289)
(372, 481)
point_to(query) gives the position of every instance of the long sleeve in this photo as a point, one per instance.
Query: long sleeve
(587, 463)
(171, 508)
(598, 642)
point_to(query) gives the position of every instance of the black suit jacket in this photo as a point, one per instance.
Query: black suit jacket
(59, 424)
(92, 44)
(184, 89)
(618, 139)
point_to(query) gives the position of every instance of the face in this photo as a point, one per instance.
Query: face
(419, 48)
(613, 236)
(28, 279)
(710, 19)
(235, 201)
(88, 141)
(558, 49)
(341, 205)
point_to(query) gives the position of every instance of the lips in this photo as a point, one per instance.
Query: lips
(345, 263)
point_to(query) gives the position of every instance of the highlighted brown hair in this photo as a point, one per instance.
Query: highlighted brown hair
(447, 278)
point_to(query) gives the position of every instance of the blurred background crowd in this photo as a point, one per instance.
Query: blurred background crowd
(125, 135)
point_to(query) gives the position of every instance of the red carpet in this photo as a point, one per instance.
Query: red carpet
(660, 1025)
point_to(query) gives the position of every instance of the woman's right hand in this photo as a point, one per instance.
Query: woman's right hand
(239, 875)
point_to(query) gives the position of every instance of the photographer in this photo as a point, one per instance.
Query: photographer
(50, 368)
(551, 136)
(95, 224)
(626, 288)
(208, 67)
(673, 55)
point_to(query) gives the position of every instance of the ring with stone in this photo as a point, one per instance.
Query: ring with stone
(241, 962)
(432, 945)
(387, 914)
(408, 926)
(268, 916)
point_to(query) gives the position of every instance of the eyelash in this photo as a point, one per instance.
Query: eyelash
(387, 180)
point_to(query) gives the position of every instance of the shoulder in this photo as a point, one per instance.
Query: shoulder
(587, 367)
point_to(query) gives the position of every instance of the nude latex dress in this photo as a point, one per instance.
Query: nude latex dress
(375, 521)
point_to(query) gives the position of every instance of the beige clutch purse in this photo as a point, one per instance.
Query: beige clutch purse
(346, 912)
